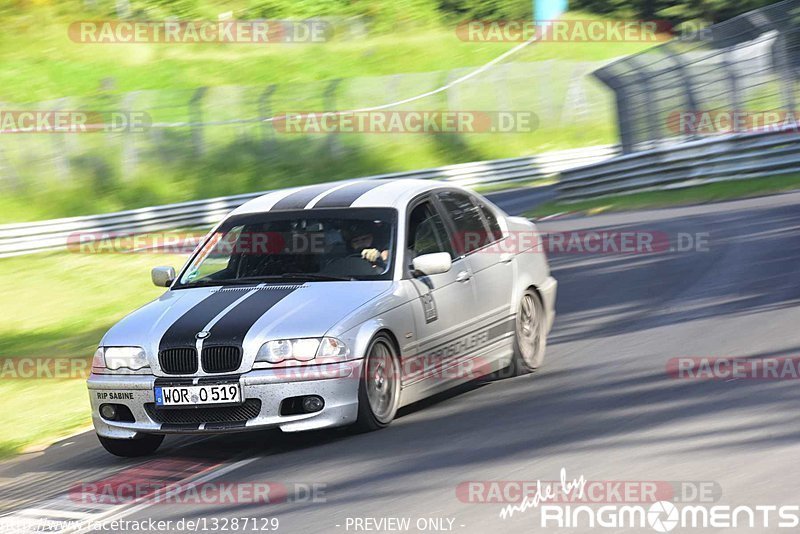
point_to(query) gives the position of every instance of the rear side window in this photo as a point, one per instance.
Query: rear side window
(495, 233)
(470, 232)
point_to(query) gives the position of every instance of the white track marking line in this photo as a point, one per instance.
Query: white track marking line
(57, 510)
(126, 510)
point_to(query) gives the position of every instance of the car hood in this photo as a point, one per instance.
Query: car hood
(243, 316)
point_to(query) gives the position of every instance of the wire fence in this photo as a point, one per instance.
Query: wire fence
(216, 122)
(735, 76)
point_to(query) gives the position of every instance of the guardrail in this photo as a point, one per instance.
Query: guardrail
(27, 238)
(723, 158)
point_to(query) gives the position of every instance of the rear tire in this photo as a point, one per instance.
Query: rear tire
(141, 445)
(530, 340)
(379, 387)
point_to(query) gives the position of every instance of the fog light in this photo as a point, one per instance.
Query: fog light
(312, 404)
(108, 411)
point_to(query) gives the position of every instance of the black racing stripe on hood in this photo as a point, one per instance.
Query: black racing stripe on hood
(234, 325)
(299, 199)
(344, 197)
(182, 332)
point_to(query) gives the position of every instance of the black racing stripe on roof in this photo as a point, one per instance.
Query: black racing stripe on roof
(347, 195)
(299, 199)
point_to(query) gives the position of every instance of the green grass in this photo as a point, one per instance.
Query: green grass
(37, 412)
(61, 312)
(716, 192)
(507, 186)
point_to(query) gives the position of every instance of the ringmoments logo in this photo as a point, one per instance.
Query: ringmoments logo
(664, 516)
(580, 504)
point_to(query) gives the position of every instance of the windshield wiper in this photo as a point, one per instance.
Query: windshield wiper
(266, 278)
(206, 283)
(298, 276)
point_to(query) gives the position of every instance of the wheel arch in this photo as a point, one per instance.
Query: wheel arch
(360, 337)
(392, 337)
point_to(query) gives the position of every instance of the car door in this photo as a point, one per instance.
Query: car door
(442, 303)
(478, 235)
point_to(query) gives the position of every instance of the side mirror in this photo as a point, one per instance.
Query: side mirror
(162, 276)
(429, 264)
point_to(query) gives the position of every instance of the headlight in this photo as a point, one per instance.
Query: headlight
(303, 350)
(120, 358)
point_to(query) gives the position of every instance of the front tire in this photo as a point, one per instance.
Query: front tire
(530, 340)
(141, 445)
(379, 387)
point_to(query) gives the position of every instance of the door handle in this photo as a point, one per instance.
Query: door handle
(506, 257)
(463, 276)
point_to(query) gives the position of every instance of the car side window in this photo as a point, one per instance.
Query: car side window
(470, 231)
(495, 233)
(426, 232)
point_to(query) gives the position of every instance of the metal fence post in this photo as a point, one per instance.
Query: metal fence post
(7, 172)
(651, 115)
(196, 119)
(130, 156)
(453, 96)
(329, 103)
(265, 112)
(783, 61)
(502, 96)
(682, 70)
(59, 147)
(733, 79)
(621, 104)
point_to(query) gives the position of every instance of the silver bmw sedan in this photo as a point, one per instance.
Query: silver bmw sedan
(326, 305)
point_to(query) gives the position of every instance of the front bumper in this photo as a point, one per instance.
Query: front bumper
(336, 383)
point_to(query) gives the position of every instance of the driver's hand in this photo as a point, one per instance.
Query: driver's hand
(370, 254)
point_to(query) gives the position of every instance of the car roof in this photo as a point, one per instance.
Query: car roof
(364, 193)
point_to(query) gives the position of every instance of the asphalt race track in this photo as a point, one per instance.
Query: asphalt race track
(604, 407)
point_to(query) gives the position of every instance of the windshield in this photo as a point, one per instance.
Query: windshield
(331, 244)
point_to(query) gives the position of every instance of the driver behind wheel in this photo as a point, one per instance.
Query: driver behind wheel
(361, 239)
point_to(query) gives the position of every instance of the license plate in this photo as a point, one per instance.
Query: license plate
(198, 395)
